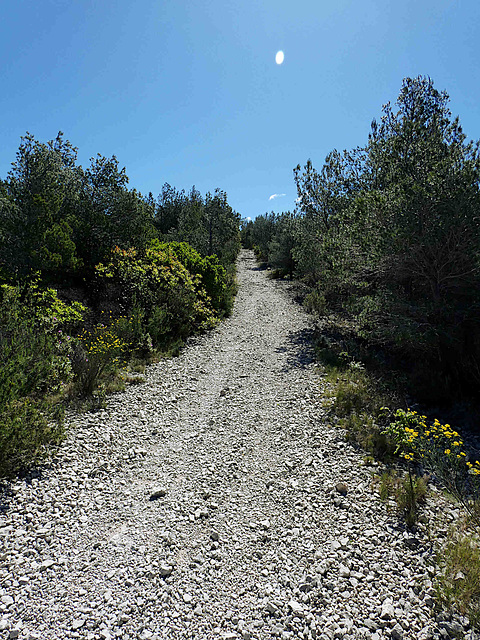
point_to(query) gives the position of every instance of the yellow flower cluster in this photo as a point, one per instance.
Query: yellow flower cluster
(424, 439)
(103, 340)
(474, 468)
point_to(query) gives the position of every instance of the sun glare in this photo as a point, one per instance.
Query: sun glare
(279, 57)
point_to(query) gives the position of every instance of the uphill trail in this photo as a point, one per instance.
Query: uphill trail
(207, 503)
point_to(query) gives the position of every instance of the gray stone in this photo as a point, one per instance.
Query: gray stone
(77, 624)
(159, 492)
(4, 624)
(343, 571)
(451, 627)
(296, 607)
(341, 488)
(387, 611)
(272, 607)
(165, 570)
(397, 632)
(7, 600)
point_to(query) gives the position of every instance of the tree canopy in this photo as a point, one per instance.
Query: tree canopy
(61, 219)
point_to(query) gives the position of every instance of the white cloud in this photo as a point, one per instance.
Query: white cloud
(277, 195)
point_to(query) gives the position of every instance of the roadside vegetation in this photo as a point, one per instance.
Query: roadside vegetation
(95, 281)
(385, 245)
(386, 238)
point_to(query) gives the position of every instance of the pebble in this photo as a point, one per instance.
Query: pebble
(158, 493)
(387, 612)
(397, 632)
(342, 488)
(77, 624)
(165, 570)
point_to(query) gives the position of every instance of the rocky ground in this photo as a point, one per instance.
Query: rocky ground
(213, 501)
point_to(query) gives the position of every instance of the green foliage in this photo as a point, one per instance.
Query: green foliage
(111, 215)
(44, 303)
(246, 228)
(168, 298)
(61, 219)
(440, 449)
(408, 492)
(315, 303)
(273, 239)
(281, 246)
(458, 583)
(411, 492)
(37, 214)
(208, 224)
(212, 281)
(27, 427)
(35, 357)
(352, 392)
(387, 237)
(98, 349)
(357, 400)
(262, 231)
(84, 231)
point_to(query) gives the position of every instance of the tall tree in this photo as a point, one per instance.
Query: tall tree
(38, 210)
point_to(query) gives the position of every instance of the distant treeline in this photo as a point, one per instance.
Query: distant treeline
(96, 279)
(387, 238)
(60, 219)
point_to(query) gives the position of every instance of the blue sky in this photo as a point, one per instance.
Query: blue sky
(189, 92)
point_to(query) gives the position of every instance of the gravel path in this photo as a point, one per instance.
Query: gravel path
(204, 504)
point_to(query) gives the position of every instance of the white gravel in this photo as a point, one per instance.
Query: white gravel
(204, 504)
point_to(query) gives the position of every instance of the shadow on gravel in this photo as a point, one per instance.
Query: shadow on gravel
(7, 493)
(299, 348)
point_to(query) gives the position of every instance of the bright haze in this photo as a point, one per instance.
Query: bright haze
(189, 93)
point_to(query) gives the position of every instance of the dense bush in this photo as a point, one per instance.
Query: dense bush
(167, 299)
(35, 356)
(213, 277)
(144, 302)
(207, 224)
(98, 349)
(84, 232)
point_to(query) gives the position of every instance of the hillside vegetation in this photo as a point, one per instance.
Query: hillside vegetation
(95, 279)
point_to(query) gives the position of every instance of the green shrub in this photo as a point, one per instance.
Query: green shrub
(99, 349)
(408, 492)
(165, 300)
(356, 398)
(458, 583)
(411, 491)
(315, 303)
(213, 281)
(35, 356)
(440, 449)
(27, 427)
